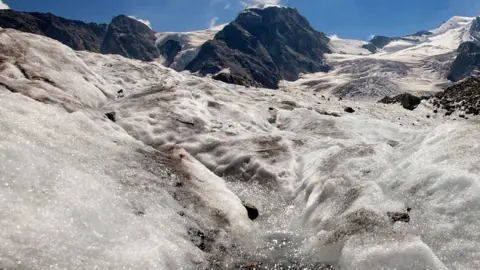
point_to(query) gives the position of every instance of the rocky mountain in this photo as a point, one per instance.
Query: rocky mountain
(124, 36)
(75, 34)
(269, 44)
(130, 38)
(188, 43)
(263, 46)
(467, 62)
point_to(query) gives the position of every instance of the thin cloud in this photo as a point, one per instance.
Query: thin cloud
(213, 22)
(3, 5)
(227, 6)
(146, 22)
(246, 3)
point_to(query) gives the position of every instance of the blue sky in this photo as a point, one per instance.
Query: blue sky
(356, 19)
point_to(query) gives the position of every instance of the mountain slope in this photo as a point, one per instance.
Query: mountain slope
(187, 45)
(130, 38)
(75, 34)
(279, 37)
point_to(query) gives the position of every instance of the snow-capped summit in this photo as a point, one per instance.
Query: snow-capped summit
(264, 6)
(456, 22)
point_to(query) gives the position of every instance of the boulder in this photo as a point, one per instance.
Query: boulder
(252, 211)
(408, 101)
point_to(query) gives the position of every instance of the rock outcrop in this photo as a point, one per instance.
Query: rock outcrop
(475, 29)
(464, 96)
(169, 50)
(467, 62)
(408, 101)
(130, 38)
(263, 46)
(75, 34)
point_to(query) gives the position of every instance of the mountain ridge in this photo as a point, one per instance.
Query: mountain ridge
(280, 58)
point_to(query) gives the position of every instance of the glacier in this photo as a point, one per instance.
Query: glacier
(162, 187)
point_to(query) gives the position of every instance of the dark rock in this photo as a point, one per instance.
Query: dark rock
(371, 47)
(111, 116)
(422, 33)
(235, 78)
(178, 184)
(75, 34)
(475, 29)
(251, 210)
(131, 39)
(263, 46)
(428, 116)
(467, 62)
(120, 93)
(169, 50)
(214, 104)
(448, 113)
(393, 143)
(139, 213)
(381, 41)
(464, 95)
(461, 116)
(435, 111)
(349, 110)
(198, 238)
(323, 112)
(270, 108)
(398, 216)
(408, 101)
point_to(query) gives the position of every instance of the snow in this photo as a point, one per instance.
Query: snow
(190, 42)
(453, 23)
(264, 6)
(348, 46)
(80, 191)
(409, 64)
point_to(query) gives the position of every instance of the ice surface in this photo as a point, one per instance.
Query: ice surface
(79, 191)
(348, 46)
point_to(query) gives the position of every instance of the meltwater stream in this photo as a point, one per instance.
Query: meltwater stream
(276, 243)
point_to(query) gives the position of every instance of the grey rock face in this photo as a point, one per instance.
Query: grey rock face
(467, 62)
(169, 50)
(381, 41)
(75, 34)
(475, 29)
(130, 38)
(263, 46)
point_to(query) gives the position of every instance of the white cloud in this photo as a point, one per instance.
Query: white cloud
(213, 22)
(227, 6)
(334, 37)
(3, 5)
(246, 3)
(146, 22)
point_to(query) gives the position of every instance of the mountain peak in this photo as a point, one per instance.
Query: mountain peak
(264, 6)
(452, 23)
